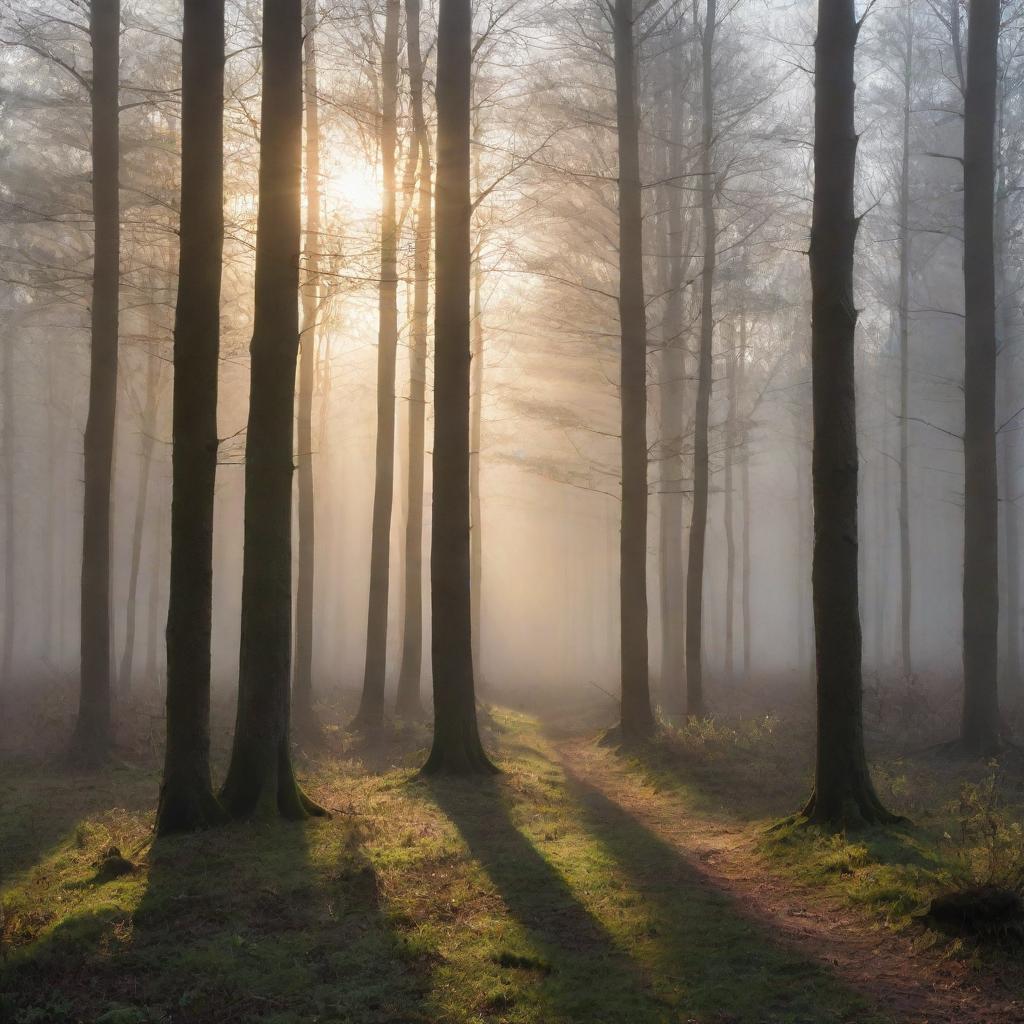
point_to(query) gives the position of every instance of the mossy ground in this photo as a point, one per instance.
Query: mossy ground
(521, 898)
(963, 817)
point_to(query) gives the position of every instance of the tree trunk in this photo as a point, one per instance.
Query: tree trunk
(475, 419)
(637, 719)
(92, 731)
(843, 792)
(149, 426)
(371, 705)
(408, 703)
(302, 683)
(1008, 346)
(456, 748)
(10, 535)
(730, 538)
(673, 376)
(980, 726)
(745, 485)
(260, 779)
(151, 672)
(904, 329)
(186, 796)
(699, 512)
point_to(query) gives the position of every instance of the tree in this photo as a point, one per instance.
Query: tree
(843, 793)
(371, 705)
(260, 777)
(980, 724)
(456, 748)
(302, 684)
(705, 357)
(187, 800)
(637, 719)
(92, 729)
(408, 702)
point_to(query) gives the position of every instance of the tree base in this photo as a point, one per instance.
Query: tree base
(257, 788)
(464, 756)
(857, 807)
(89, 748)
(187, 806)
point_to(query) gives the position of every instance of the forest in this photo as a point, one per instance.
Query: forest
(511, 511)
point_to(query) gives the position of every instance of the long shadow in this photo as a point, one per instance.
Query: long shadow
(725, 963)
(246, 922)
(571, 947)
(41, 806)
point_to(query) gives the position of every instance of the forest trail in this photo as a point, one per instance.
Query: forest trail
(913, 986)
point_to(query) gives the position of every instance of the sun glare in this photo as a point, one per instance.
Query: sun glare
(354, 185)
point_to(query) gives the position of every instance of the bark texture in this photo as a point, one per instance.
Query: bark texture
(843, 793)
(408, 703)
(637, 720)
(92, 735)
(302, 682)
(456, 748)
(371, 705)
(980, 723)
(186, 796)
(260, 780)
(705, 356)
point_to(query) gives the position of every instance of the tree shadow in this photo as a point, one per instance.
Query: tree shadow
(728, 965)
(568, 945)
(250, 921)
(42, 806)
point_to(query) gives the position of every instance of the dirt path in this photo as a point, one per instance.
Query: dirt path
(916, 987)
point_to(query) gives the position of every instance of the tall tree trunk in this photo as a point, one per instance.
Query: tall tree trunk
(92, 730)
(730, 538)
(980, 726)
(699, 512)
(745, 485)
(149, 417)
(371, 705)
(637, 718)
(673, 376)
(151, 672)
(302, 684)
(186, 795)
(843, 792)
(1008, 346)
(260, 778)
(904, 329)
(10, 534)
(408, 703)
(475, 420)
(456, 748)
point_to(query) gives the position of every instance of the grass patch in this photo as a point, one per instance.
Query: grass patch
(527, 898)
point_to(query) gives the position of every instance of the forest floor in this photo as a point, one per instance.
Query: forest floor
(579, 885)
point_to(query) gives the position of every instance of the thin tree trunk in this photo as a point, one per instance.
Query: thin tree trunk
(673, 374)
(843, 792)
(637, 718)
(475, 418)
(1008, 346)
(186, 795)
(745, 485)
(302, 684)
(371, 705)
(904, 329)
(151, 673)
(980, 727)
(408, 703)
(10, 534)
(93, 729)
(149, 424)
(699, 511)
(456, 748)
(260, 779)
(730, 539)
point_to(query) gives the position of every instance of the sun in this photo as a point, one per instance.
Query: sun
(354, 185)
